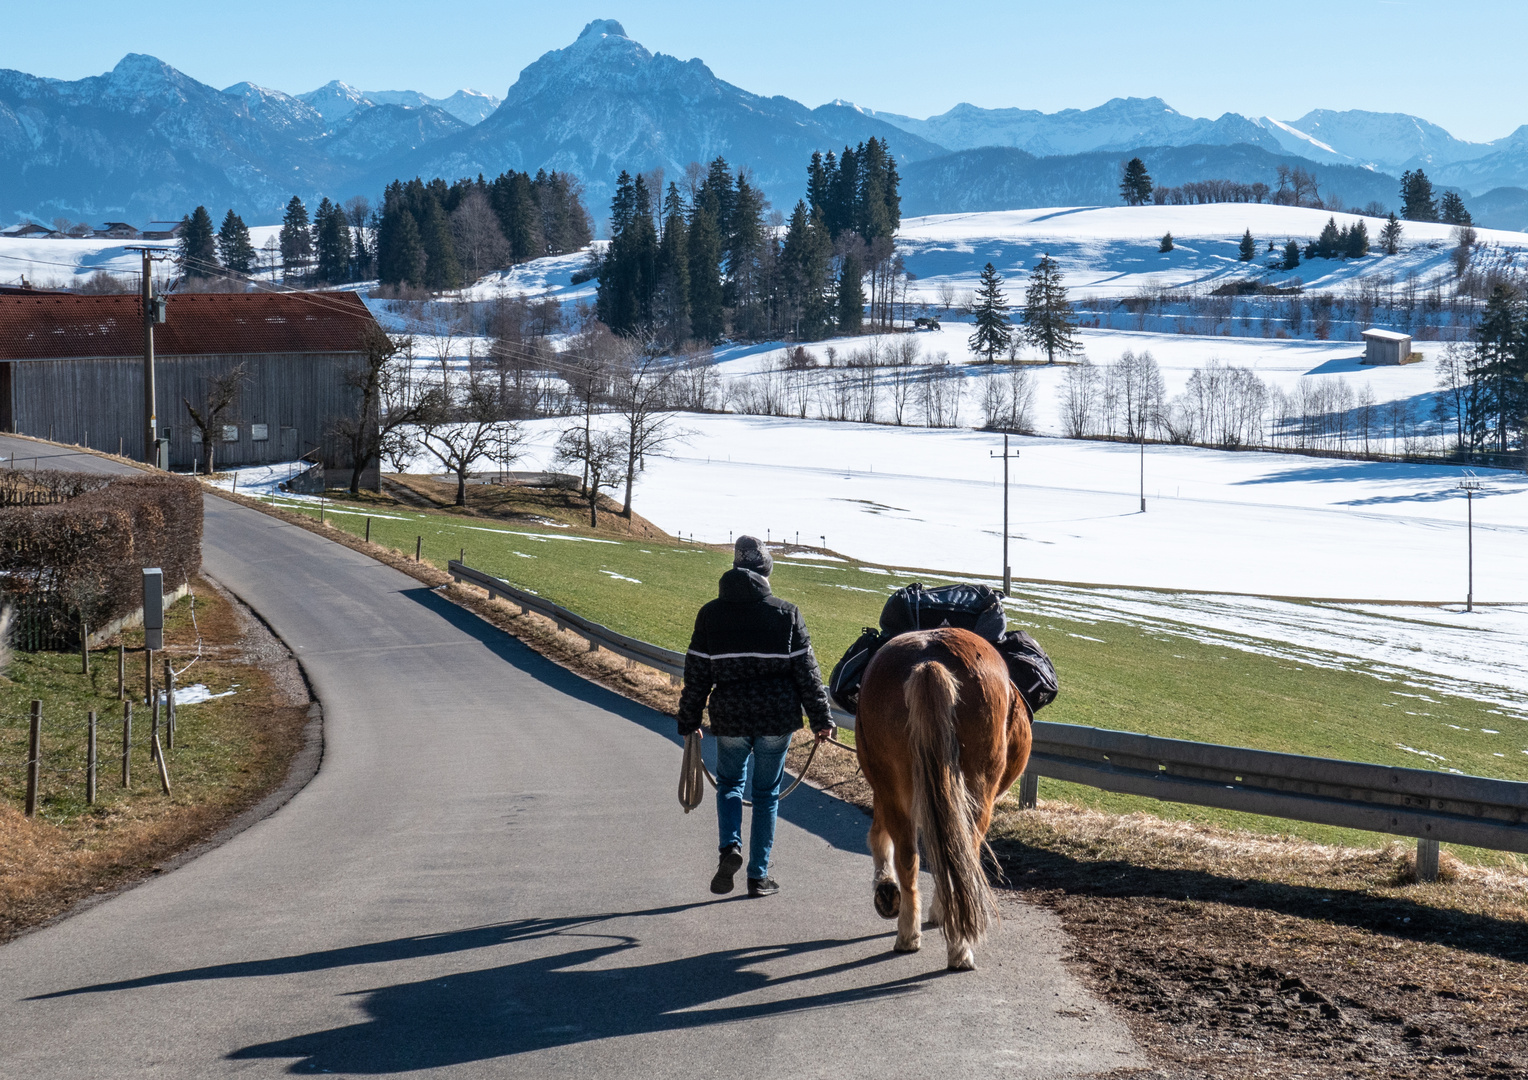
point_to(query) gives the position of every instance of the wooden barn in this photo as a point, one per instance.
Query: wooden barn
(1386, 347)
(71, 369)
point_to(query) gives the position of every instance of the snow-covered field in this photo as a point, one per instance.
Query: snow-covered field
(68, 263)
(1111, 251)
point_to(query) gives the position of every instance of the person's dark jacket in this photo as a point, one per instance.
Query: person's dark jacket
(750, 654)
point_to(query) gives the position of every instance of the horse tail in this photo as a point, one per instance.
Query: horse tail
(942, 806)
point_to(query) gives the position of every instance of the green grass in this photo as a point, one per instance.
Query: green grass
(1113, 675)
(212, 748)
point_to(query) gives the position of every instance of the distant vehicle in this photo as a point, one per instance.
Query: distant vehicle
(922, 323)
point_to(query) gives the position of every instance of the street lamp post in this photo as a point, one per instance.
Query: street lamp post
(1007, 570)
(1469, 485)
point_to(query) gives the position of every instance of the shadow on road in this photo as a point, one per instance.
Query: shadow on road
(830, 819)
(585, 983)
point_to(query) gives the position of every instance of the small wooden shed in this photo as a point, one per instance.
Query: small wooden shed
(1386, 347)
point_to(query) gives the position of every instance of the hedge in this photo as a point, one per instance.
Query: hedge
(79, 560)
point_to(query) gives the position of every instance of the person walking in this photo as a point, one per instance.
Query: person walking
(751, 657)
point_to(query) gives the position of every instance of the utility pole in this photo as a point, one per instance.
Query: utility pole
(1469, 485)
(1007, 570)
(1143, 468)
(153, 311)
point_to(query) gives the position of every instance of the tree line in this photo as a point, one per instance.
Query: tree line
(707, 260)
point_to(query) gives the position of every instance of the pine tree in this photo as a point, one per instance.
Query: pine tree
(746, 259)
(1048, 320)
(441, 269)
(198, 256)
(628, 275)
(1135, 183)
(296, 239)
(705, 250)
(671, 301)
(1451, 210)
(400, 255)
(1167, 243)
(851, 295)
(331, 236)
(1247, 249)
(1357, 241)
(1329, 244)
(513, 200)
(990, 312)
(805, 261)
(1417, 197)
(1499, 366)
(1390, 235)
(1291, 256)
(235, 247)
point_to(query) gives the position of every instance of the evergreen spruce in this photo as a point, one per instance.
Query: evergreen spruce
(296, 239)
(705, 251)
(990, 313)
(198, 255)
(1390, 235)
(331, 243)
(1329, 244)
(442, 271)
(805, 260)
(671, 300)
(1167, 243)
(1451, 210)
(1135, 183)
(1291, 256)
(235, 247)
(628, 273)
(1357, 241)
(1247, 249)
(851, 295)
(1049, 323)
(400, 255)
(1417, 197)
(1500, 367)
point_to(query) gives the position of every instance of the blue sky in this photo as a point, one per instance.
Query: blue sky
(1456, 64)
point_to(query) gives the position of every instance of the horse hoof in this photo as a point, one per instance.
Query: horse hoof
(888, 899)
(911, 945)
(962, 961)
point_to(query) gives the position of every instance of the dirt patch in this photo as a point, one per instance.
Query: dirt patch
(521, 503)
(231, 753)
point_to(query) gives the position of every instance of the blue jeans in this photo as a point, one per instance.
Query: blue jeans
(768, 767)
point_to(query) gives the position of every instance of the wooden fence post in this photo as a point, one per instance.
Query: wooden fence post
(169, 705)
(368, 530)
(90, 763)
(164, 775)
(34, 757)
(84, 648)
(154, 730)
(127, 743)
(418, 547)
(121, 672)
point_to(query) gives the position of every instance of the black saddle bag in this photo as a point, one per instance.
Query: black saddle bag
(1029, 668)
(844, 683)
(966, 607)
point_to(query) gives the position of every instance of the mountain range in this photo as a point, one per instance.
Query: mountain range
(145, 141)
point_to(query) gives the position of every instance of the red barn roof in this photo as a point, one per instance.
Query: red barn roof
(42, 327)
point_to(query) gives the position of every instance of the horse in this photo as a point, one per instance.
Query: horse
(941, 732)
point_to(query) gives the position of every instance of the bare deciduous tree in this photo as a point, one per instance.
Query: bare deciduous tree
(385, 404)
(221, 393)
(480, 243)
(460, 424)
(600, 455)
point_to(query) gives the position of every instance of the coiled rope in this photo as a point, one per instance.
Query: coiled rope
(693, 767)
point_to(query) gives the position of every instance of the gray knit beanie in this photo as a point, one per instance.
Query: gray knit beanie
(749, 554)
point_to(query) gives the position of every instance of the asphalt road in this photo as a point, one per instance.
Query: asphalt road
(490, 876)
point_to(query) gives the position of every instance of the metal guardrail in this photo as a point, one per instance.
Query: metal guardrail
(1431, 806)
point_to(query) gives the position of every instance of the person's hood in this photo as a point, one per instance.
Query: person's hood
(743, 586)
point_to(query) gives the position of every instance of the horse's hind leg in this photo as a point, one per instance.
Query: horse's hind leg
(887, 898)
(909, 930)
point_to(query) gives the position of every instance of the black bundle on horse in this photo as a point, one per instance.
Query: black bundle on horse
(976, 608)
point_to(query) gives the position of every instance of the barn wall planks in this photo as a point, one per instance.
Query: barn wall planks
(96, 402)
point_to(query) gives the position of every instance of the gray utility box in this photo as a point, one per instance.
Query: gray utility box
(153, 608)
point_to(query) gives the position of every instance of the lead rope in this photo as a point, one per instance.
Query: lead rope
(691, 790)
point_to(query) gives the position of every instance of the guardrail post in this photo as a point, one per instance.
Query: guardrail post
(1427, 860)
(90, 762)
(34, 757)
(1029, 790)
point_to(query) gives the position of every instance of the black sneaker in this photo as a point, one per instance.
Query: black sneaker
(731, 862)
(758, 887)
